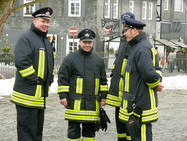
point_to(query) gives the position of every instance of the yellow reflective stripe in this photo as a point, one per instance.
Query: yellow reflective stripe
(97, 106)
(154, 52)
(41, 63)
(84, 118)
(49, 88)
(128, 138)
(88, 138)
(150, 112)
(38, 92)
(77, 105)
(150, 118)
(103, 87)
(28, 71)
(123, 66)
(27, 100)
(127, 74)
(136, 114)
(121, 84)
(96, 86)
(63, 89)
(152, 97)
(79, 139)
(113, 66)
(113, 100)
(53, 71)
(82, 112)
(152, 85)
(79, 85)
(143, 132)
(159, 72)
(121, 135)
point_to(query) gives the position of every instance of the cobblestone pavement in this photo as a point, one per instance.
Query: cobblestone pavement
(171, 126)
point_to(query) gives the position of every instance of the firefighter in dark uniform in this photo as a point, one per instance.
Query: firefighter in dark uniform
(34, 61)
(81, 84)
(139, 107)
(116, 88)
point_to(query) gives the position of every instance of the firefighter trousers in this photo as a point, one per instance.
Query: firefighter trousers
(122, 132)
(74, 131)
(29, 123)
(145, 134)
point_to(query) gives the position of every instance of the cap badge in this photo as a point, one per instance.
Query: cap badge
(47, 13)
(87, 35)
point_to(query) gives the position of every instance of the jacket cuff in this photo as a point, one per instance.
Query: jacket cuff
(63, 95)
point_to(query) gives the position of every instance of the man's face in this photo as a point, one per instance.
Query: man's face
(129, 34)
(42, 24)
(86, 45)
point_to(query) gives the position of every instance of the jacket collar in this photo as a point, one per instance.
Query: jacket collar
(137, 39)
(38, 31)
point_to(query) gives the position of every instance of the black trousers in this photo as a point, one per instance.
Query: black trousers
(74, 131)
(30, 123)
(145, 134)
(122, 132)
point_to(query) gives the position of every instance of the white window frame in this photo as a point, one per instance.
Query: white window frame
(75, 2)
(115, 9)
(69, 40)
(131, 6)
(179, 5)
(107, 9)
(144, 10)
(150, 11)
(31, 9)
(50, 37)
(166, 5)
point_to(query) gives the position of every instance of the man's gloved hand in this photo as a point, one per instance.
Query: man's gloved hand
(97, 126)
(134, 124)
(103, 119)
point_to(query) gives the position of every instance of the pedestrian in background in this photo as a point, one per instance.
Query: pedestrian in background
(163, 63)
(34, 61)
(171, 59)
(139, 107)
(114, 96)
(179, 56)
(82, 84)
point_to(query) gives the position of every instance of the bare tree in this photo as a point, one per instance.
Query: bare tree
(6, 9)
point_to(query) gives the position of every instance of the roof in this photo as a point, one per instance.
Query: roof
(167, 43)
(180, 44)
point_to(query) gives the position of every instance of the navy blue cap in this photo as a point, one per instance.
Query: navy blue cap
(86, 35)
(44, 13)
(132, 23)
(127, 15)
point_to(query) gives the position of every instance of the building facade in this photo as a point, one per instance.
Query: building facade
(102, 16)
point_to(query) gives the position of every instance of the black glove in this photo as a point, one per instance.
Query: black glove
(97, 126)
(134, 124)
(103, 119)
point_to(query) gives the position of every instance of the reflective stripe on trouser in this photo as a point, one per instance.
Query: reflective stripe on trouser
(122, 132)
(146, 133)
(74, 131)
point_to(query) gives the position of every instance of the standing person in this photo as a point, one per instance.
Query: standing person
(82, 83)
(179, 56)
(163, 63)
(116, 88)
(34, 61)
(171, 59)
(139, 107)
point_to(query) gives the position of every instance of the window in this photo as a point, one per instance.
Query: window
(144, 10)
(131, 6)
(115, 9)
(51, 37)
(179, 5)
(74, 8)
(166, 3)
(150, 11)
(107, 9)
(27, 11)
(72, 44)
